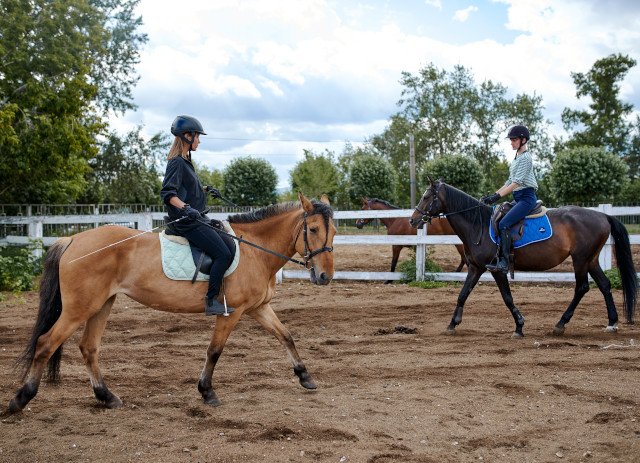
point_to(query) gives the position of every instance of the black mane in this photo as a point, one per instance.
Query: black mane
(382, 201)
(277, 209)
(458, 200)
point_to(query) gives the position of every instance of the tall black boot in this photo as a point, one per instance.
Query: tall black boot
(503, 255)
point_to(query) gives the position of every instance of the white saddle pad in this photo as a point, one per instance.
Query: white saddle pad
(177, 261)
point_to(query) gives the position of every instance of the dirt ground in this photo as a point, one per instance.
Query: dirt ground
(391, 386)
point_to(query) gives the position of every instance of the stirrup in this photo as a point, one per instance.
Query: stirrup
(501, 266)
(213, 307)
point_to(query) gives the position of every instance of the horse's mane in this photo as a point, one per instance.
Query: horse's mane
(458, 200)
(277, 209)
(382, 201)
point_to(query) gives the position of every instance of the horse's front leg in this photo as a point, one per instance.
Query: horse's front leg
(269, 320)
(224, 327)
(473, 275)
(505, 291)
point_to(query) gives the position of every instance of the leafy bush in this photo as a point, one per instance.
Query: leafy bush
(315, 175)
(408, 268)
(18, 268)
(371, 176)
(250, 182)
(459, 171)
(614, 277)
(587, 174)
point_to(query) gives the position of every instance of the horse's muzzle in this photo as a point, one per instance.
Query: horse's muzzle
(321, 279)
(359, 224)
(416, 223)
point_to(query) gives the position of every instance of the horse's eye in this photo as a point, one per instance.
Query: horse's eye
(313, 229)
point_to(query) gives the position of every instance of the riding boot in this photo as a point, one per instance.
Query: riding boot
(213, 307)
(503, 253)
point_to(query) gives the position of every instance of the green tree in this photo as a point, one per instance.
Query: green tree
(125, 170)
(605, 122)
(586, 175)
(64, 66)
(250, 182)
(315, 175)
(371, 176)
(462, 172)
(211, 177)
(447, 112)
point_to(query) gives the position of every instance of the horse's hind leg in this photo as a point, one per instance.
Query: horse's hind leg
(605, 288)
(90, 347)
(505, 291)
(269, 320)
(46, 346)
(582, 288)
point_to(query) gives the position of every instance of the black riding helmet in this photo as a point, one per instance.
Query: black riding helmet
(519, 131)
(186, 124)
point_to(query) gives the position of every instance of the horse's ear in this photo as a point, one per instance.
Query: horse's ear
(306, 204)
(430, 179)
(325, 199)
(365, 200)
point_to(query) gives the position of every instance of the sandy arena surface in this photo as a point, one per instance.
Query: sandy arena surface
(391, 386)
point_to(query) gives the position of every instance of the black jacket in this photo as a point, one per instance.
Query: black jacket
(180, 180)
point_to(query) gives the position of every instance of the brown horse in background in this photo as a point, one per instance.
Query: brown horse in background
(77, 290)
(401, 226)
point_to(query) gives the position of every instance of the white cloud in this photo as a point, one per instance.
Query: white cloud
(463, 15)
(305, 70)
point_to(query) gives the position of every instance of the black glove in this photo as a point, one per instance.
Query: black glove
(214, 192)
(490, 199)
(216, 224)
(190, 212)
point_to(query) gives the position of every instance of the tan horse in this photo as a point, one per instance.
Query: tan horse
(83, 291)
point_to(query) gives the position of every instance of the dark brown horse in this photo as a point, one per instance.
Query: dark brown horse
(76, 290)
(577, 232)
(400, 226)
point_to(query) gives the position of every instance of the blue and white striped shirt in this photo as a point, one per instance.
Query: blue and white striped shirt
(521, 172)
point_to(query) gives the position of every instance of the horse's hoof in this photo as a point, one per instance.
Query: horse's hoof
(611, 329)
(12, 408)
(115, 402)
(517, 335)
(558, 330)
(308, 384)
(214, 402)
(449, 331)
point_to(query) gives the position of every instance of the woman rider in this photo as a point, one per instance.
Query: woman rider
(522, 182)
(185, 197)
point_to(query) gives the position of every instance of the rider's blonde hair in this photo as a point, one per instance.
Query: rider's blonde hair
(178, 148)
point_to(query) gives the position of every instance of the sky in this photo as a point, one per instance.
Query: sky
(270, 78)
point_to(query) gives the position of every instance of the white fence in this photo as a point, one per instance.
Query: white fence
(144, 221)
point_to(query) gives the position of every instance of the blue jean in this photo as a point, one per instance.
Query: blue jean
(525, 200)
(210, 242)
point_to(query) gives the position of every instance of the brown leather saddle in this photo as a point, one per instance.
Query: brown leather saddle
(518, 229)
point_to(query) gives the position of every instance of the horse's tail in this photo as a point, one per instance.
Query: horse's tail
(625, 266)
(49, 311)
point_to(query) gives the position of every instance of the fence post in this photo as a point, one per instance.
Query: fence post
(146, 221)
(34, 231)
(421, 252)
(604, 259)
(279, 277)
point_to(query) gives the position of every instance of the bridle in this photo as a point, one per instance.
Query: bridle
(308, 253)
(428, 214)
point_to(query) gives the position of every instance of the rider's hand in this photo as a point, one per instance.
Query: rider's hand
(190, 212)
(214, 192)
(490, 199)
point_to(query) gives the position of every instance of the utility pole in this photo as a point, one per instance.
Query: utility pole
(412, 171)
